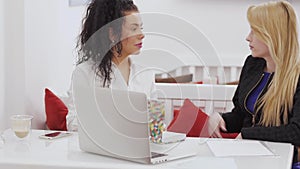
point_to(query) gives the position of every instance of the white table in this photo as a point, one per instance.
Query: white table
(65, 153)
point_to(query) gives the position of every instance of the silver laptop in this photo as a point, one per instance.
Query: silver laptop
(115, 123)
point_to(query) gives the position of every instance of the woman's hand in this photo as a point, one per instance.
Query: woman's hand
(239, 136)
(216, 125)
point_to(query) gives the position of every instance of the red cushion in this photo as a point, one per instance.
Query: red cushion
(189, 120)
(199, 82)
(229, 135)
(56, 111)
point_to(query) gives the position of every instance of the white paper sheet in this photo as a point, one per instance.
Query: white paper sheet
(226, 148)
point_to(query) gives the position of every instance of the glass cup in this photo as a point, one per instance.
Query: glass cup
(21, 125)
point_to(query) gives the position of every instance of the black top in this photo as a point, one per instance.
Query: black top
(256, 92)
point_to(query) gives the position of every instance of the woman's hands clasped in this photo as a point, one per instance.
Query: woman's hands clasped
(216, 124)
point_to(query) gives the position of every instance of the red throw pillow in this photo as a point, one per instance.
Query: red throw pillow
(229, 135)
(56, 111)
(190, 120)
(199, 82)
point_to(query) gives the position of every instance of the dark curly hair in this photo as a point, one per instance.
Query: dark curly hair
(94, 40)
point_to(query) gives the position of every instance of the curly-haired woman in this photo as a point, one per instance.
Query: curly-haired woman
(111, 33)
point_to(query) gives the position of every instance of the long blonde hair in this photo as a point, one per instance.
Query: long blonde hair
(275, 24)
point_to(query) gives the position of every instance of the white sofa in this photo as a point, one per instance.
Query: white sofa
(210, 98)
(214, 95)
(207, 74)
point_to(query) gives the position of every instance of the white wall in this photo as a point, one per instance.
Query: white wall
(13, 67)
(2, 125)
(223, 23)
(51, 30)
(37, 44)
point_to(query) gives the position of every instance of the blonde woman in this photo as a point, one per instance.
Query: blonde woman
(267, 99)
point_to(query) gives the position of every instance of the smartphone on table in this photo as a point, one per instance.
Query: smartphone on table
(55, 135)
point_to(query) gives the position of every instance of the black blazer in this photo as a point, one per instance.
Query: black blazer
(242, 120)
